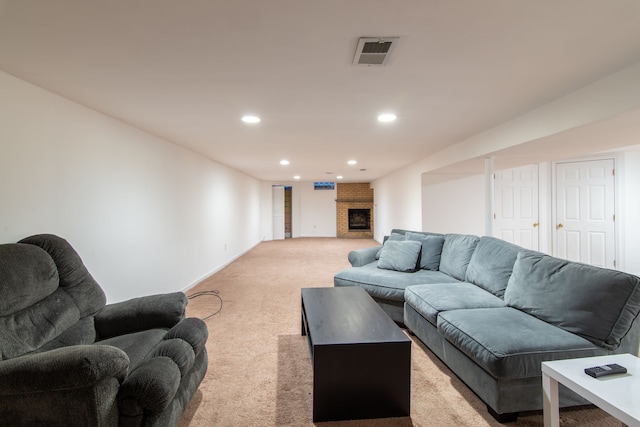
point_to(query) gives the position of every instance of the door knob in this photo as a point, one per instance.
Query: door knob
(535, 224)
(560, 225)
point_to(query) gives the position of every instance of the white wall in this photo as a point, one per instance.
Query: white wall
(145, 215)
(455, 206)
(317, 211)
(397, 202)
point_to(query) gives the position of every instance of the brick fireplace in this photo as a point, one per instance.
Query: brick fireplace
(354, 211)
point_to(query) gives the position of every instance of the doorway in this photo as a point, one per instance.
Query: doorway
(585, 212)
(282, 211)
(287, 211)
(516, 206)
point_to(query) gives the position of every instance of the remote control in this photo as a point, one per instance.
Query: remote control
(601, 371)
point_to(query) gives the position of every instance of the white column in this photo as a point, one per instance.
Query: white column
(488, 191)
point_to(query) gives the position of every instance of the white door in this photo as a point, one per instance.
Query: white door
(585, 213)
(278, 212)
(516, 206)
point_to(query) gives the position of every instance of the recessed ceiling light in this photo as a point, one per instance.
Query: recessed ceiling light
(296, 177)
(251, 119)
(284, 162)
(387, 117)
(352, 162)
(339, 177)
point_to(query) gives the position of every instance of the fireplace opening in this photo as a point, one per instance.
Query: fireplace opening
(359, 219)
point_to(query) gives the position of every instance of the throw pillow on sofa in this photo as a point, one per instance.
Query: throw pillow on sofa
(595, 303)
(401, 255)
(431, 249)
(392, 237)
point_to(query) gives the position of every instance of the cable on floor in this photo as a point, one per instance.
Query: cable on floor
(215, 293)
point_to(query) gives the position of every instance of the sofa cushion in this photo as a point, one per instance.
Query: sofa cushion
(392, 237)
(491, 264)
(456, 254)
(400, 256)
(429, 300)
(387, 284)
(595, 303)
(431, 249)
(508, 343)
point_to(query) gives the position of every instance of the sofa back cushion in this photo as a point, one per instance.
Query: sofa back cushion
(491, 264)
(456, 254)
(400, 256)
(431, 249)
(595, 303)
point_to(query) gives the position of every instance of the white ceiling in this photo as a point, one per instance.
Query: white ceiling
(188, 70)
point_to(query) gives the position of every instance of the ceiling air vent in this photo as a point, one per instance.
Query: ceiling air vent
(374, 51)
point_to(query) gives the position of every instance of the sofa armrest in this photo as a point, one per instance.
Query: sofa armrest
(363, 256)
(138, 314)
(62, 369)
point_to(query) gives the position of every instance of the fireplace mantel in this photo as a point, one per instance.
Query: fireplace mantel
(354, 200)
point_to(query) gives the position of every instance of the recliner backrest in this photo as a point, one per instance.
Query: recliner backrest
(47, 297)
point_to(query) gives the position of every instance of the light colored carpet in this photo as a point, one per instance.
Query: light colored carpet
(259, 366)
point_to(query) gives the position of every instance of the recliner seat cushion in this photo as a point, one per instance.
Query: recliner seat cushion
(508, 343)
(429, 300)
(595, 303)
(137, 345)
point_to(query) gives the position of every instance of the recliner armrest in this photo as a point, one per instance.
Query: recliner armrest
(65, 368)
(150, 387)
(363, 256)
(138, 314)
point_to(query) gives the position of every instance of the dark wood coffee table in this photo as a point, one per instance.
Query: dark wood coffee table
(361, 359)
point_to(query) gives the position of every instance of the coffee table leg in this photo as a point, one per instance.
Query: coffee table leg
(550, 402)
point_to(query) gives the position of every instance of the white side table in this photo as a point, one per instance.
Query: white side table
(619, 395)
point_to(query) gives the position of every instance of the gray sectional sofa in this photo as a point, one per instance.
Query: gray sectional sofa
(493, 311)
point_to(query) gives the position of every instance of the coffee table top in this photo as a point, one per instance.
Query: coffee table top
(617, 394)
(347, 315)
